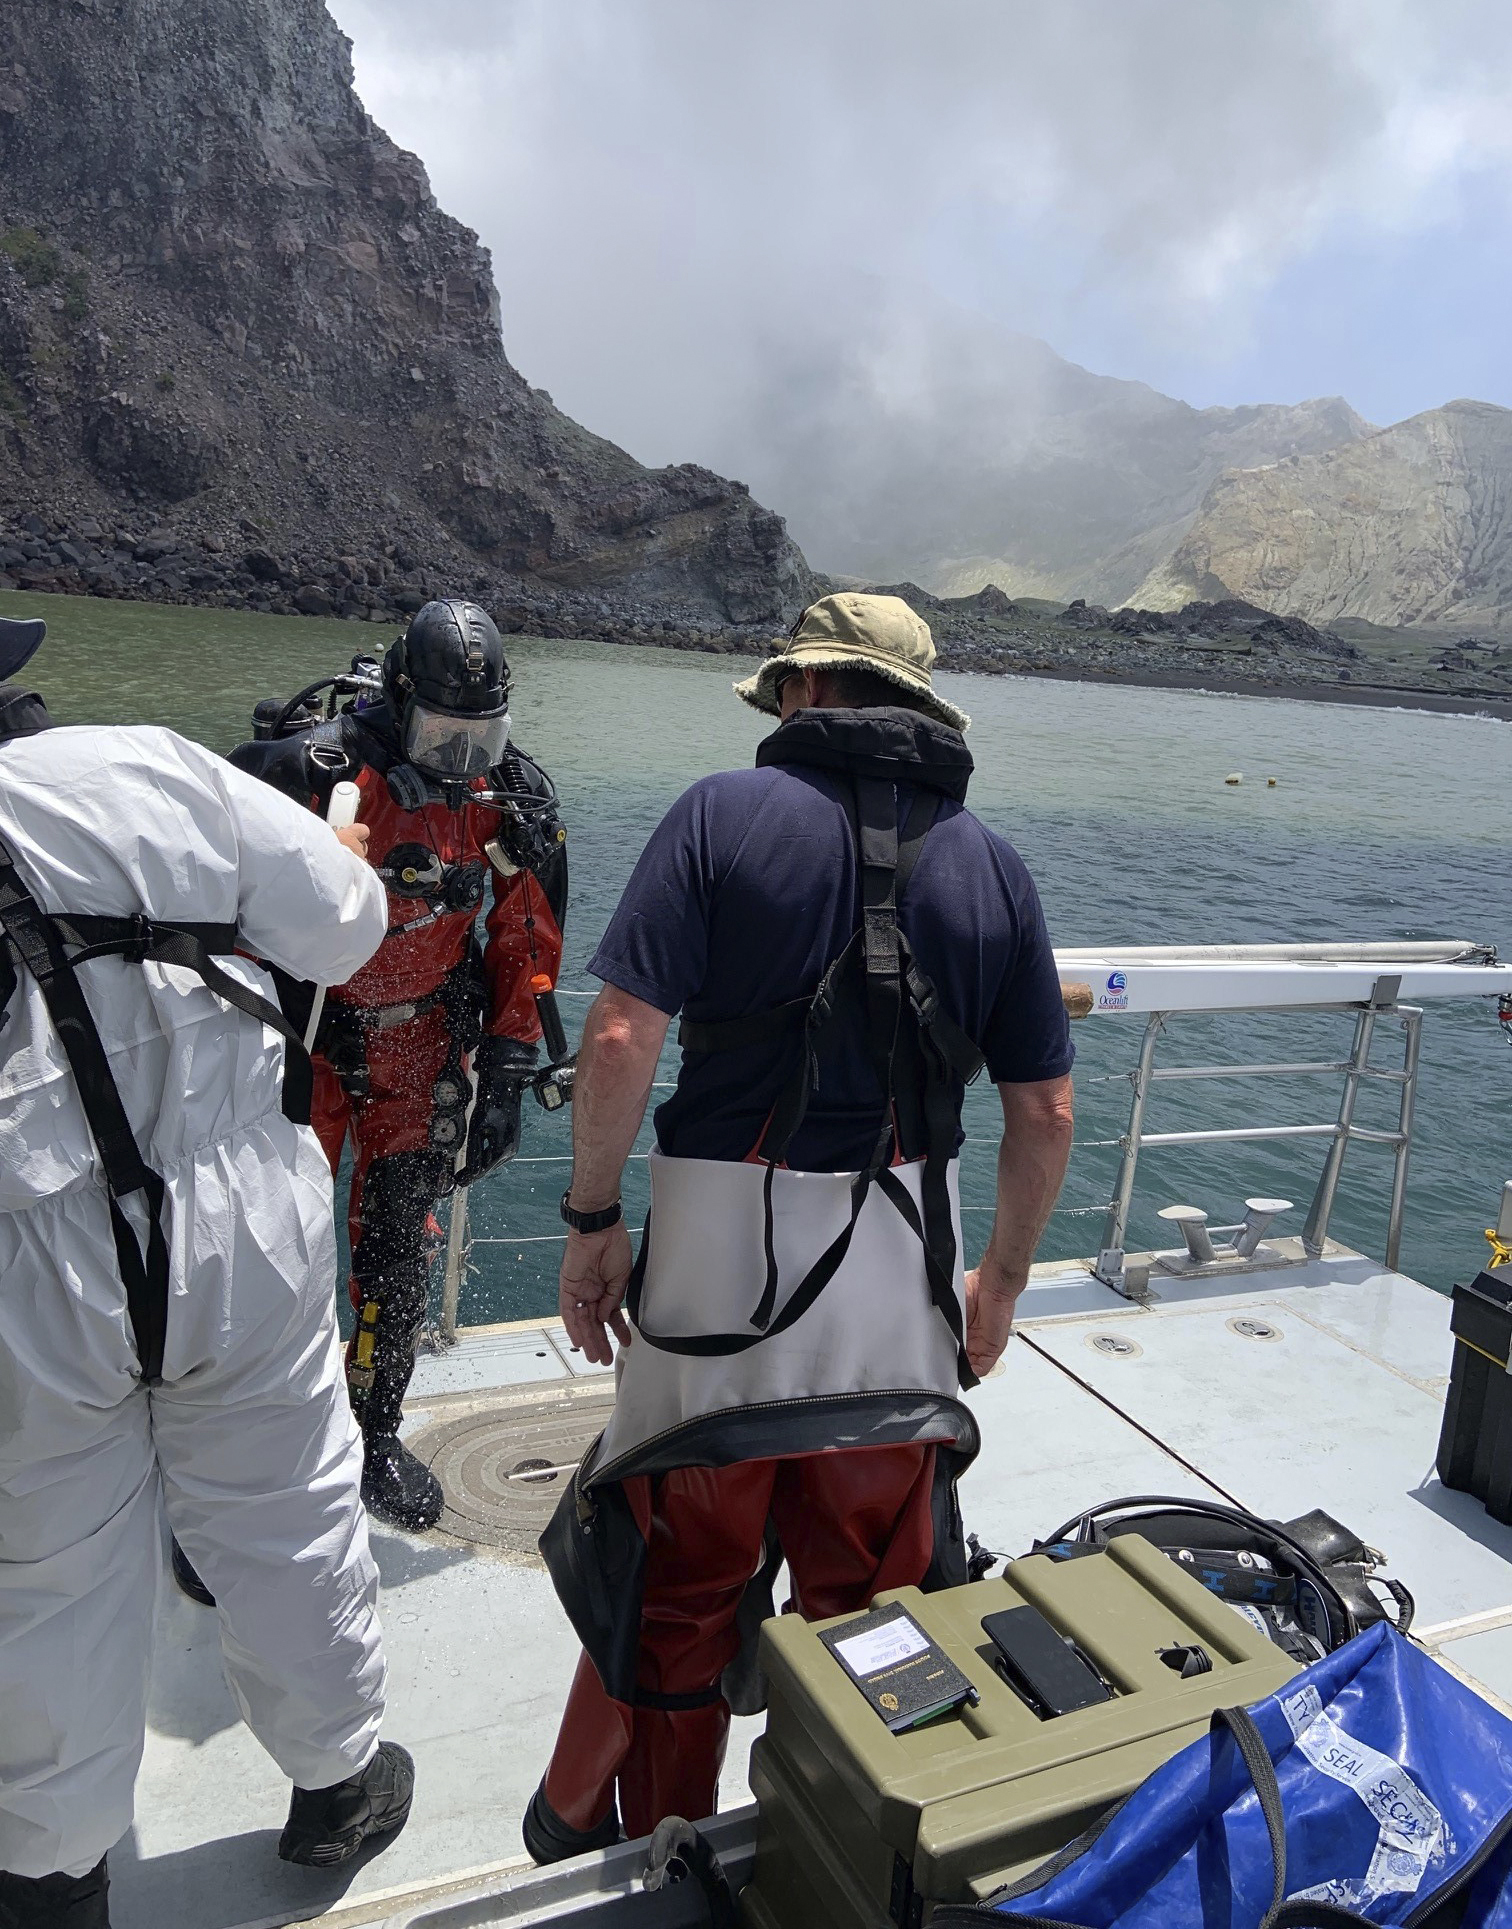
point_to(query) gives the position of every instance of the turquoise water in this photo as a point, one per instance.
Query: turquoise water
(1383, 824)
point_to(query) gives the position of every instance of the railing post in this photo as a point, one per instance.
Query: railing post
(456, 1258)
(1315, 1232)
(1412, 1022)
(1116, 1224)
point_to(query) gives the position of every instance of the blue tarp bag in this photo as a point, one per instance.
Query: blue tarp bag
(1374, 1788)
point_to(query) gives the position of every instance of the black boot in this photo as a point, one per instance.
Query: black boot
(397, 1487)
(55, 1901)
(188, 1579)
(327, 1826)
(549, 1839)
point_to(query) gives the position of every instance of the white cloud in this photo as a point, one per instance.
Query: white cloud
(686, 197)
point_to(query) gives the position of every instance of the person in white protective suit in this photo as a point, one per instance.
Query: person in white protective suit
(168, 1346)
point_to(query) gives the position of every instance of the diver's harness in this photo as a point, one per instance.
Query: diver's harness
(526, 798)
(51, 946)
(918, 1051)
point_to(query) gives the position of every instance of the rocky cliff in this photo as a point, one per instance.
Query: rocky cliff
(244, 357)
(1412, 525)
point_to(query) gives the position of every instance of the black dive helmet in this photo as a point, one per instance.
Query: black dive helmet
(447, 682)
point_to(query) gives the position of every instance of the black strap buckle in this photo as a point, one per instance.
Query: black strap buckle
(136, 947)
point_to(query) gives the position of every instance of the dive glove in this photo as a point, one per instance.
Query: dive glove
(503, 1067)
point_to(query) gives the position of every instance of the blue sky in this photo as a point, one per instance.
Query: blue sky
(1394, 322)
(1233, 200)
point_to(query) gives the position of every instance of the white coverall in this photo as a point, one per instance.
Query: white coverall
(249, 1441)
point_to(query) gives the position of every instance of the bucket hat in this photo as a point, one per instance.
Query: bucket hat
(859, 632)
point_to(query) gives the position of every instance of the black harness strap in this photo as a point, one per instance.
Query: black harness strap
(193, 947)
(40, 942)
(925, 1041)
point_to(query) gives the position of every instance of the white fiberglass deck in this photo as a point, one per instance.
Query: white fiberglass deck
(1336, 1404)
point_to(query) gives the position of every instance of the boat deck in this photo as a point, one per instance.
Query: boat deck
(1280, 1387)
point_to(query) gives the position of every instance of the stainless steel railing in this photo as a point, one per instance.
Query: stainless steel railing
(1341, 1131)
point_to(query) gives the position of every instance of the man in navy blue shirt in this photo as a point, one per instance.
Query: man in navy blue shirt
(846, 944)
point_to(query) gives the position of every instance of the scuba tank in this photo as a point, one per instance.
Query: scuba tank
(273, 717)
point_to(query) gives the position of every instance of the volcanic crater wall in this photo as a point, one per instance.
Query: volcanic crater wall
(245, 358)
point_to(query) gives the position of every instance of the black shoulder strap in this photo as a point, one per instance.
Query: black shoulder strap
(891, 984)
(40, 942)
(193, 947)
(29, 933)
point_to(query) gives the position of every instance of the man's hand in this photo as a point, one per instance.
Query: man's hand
(990, 1302)
(596, 1270)
(355, 838)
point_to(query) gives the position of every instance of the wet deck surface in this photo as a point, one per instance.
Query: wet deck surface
(1334, 1401)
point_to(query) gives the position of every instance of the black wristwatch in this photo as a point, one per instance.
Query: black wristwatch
(599, 1221)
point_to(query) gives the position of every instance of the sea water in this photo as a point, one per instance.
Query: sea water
(1382, 824)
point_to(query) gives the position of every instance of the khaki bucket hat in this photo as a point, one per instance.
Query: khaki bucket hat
(860, 632)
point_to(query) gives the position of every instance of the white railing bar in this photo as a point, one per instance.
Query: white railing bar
(1335, 1066)
(1382, 951)
(1268, 1132)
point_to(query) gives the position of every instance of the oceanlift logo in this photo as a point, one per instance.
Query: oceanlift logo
(1115, 997)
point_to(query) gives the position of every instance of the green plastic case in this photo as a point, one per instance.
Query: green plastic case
(861, 1829)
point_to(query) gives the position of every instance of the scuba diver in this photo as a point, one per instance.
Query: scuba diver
(452, 807)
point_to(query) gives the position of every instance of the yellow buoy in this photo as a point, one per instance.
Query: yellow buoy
(1270, 783)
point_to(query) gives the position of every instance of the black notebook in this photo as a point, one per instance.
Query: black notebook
(902, 1673)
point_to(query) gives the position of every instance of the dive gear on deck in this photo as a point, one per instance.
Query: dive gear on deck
(327, 1826)
(1308, 1584)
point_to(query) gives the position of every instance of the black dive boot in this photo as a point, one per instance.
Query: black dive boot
(189, 1582)
(396, 1486)
(55, 1901)
(549, 1839)
(327, 1826)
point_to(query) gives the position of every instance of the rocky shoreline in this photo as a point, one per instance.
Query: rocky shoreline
(144, 560)
(1229, 645)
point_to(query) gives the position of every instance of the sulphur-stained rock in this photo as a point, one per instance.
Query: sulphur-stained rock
(1412, 525)
(229, 301)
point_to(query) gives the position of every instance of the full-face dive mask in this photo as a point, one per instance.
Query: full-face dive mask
(447, 682)
(444, 744)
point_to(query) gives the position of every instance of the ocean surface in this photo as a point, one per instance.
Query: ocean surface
(1382, 824)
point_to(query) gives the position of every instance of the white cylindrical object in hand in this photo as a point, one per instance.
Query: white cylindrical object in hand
(341, 813)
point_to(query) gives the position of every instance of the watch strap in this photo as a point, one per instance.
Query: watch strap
(599, 1221)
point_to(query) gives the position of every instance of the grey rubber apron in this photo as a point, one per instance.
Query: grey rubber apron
(874, 1327)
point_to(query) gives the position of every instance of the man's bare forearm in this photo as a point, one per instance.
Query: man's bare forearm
(622, 1041)
(1032, 1160)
